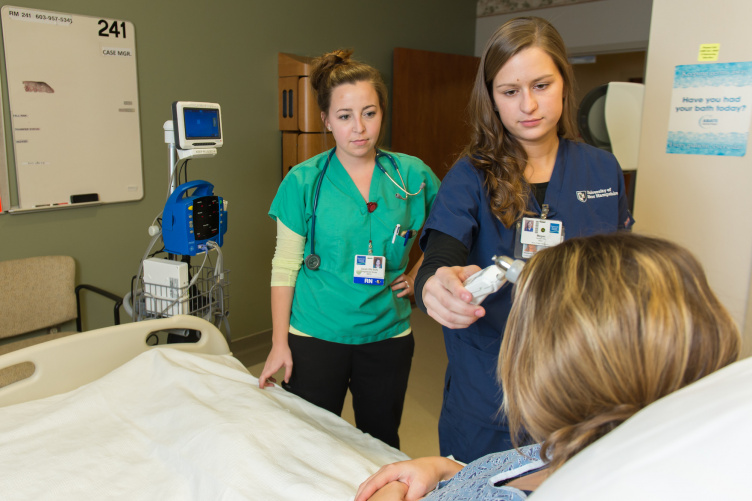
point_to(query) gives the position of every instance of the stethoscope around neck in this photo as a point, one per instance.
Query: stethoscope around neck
(313, 260)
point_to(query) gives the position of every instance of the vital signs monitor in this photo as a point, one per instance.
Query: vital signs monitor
(197, 125)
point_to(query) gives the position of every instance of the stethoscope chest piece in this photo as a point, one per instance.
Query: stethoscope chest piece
(313, 261)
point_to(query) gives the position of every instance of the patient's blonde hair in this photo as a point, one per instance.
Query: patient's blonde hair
(602, 327)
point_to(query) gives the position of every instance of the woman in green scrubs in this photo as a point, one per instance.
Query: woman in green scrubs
(346, 220)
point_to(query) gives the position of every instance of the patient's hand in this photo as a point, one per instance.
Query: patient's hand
(393, 491)
(420, 476)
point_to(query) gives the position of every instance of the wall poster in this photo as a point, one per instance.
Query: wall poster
(710, 109)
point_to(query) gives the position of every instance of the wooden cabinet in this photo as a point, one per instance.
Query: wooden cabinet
(303, 134)
(298, 110)
(300, 146)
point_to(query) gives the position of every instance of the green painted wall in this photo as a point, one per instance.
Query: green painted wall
(222, 51)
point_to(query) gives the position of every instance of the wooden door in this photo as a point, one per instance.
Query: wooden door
(430, 92)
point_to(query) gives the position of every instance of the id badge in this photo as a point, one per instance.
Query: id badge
(541, 232)
(535, 234)
(369, 269)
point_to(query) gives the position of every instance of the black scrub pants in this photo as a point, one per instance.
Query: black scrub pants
(376, 374)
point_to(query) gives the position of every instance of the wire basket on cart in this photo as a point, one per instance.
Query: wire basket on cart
(207, 296)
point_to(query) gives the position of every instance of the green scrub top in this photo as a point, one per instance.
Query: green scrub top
(327, 304)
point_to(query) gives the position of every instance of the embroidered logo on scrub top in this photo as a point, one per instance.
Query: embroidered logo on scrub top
(584, 196)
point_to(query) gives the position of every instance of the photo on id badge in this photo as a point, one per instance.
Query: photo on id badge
(369, 270)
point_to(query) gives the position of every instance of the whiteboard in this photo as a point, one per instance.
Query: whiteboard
(73, 103)
(4, 182)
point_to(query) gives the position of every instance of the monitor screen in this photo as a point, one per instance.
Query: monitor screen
(197, 125)
(201, 123)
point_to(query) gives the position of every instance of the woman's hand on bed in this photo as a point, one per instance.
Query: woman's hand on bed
(446, 299)
(393, 491)
(279, 357)
(419, 475)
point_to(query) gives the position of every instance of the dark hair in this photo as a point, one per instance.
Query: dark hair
(336, 68)
(492, 149)
(600, 328)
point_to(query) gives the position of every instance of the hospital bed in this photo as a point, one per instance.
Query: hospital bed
(105, 416)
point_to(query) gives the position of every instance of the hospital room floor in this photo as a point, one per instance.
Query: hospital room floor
(419, 428)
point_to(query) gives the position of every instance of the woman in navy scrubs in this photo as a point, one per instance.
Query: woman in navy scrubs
(522, 166)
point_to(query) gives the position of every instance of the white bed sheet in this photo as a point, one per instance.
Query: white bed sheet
(176, 425)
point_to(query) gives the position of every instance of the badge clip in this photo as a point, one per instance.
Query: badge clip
(544, 211)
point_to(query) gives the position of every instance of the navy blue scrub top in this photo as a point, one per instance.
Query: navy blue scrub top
(586, 192)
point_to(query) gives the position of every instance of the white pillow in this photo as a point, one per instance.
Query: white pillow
(694, 444)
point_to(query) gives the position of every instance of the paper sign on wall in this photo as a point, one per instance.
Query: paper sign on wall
(710, 109)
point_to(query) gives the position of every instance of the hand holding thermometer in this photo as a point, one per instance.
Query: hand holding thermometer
(490, 279)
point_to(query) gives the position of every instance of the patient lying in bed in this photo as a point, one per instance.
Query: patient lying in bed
(601, 327)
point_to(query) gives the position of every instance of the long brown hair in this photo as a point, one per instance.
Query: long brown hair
(492, 149)
(602, 327)
(338, 67)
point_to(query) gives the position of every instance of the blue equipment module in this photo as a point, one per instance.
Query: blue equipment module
(189, 221)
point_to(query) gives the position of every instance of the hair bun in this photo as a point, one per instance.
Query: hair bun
(323, 67)
(340, 56)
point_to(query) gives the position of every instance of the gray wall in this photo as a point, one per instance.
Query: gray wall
(222, 51)
(587, 28)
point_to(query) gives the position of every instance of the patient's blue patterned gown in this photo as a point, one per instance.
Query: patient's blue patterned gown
(482, 479)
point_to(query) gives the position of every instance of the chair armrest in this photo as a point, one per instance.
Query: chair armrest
(118, 302)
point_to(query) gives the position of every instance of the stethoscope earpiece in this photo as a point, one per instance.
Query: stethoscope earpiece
(422, 185)
(402, 188)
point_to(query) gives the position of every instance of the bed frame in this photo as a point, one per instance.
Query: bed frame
(67, 363)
